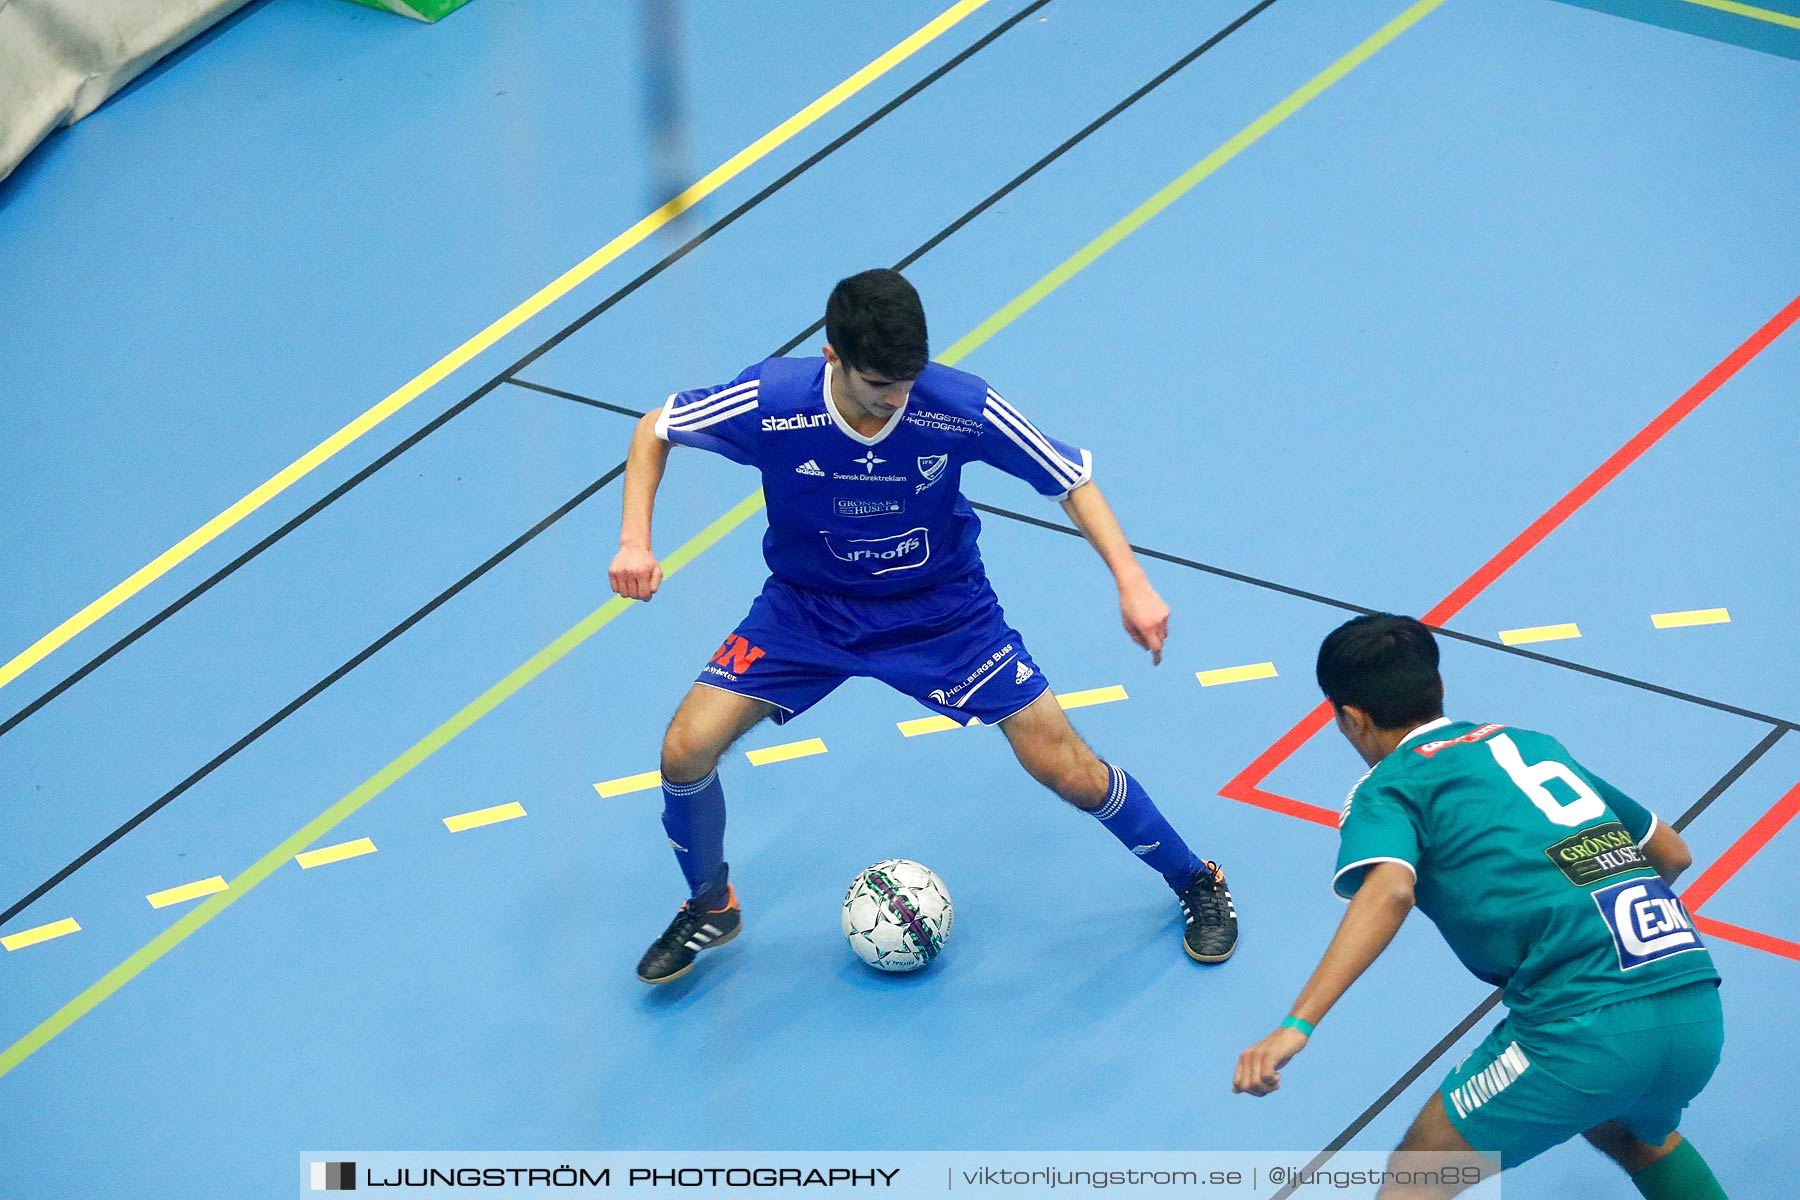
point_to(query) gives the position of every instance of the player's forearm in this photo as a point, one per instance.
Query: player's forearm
(1094, 517)
(644, 465)
(1374, 916)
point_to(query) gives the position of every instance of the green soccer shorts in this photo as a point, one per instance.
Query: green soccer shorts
(1527, 1088)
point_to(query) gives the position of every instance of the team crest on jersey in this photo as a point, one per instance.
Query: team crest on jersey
(931, 466)
(1646, 921)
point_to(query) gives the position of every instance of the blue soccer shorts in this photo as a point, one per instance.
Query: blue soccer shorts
(948, 647)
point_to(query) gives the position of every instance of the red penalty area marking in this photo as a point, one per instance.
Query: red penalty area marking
(1243, 788)
(1742, 850)
(1746, 937)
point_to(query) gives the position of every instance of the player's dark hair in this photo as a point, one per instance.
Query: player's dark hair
(876, 324)
(1385, 665)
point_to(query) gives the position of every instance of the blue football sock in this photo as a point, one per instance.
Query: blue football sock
(1131, 816)
(694, 818)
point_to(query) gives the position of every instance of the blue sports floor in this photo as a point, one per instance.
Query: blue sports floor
(1491, 322)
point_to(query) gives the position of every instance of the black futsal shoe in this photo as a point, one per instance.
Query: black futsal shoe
(695, 928)
(1211, 933)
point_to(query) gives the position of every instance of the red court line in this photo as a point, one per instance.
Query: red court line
(1746, 937)
(1742, 850)
(1244, 787)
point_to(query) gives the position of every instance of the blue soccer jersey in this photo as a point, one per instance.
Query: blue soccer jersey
(868, 516)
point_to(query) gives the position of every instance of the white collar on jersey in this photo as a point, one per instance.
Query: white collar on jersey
(845, 428)
(1428, 727)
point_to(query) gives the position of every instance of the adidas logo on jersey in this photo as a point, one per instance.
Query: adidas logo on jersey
(1023, 673)
(810, 467)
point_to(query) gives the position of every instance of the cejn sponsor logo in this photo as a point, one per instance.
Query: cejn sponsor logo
(1646, 920)
(848, 507)
(1596, 854)
(803, 421)
(900, 552)
(734, 657)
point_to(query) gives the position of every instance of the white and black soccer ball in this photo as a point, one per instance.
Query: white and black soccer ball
(897, 915)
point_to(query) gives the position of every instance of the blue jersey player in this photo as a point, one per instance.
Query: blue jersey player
(874, 571)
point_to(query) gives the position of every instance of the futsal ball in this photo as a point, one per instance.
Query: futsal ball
(897, 915)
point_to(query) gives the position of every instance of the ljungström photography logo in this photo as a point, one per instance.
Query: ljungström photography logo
(333, 1177)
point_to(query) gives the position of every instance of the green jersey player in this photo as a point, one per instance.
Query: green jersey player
(1548, 883)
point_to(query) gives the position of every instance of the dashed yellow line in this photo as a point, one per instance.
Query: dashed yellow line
(187, 891)
(484, 816)
(1540, 633)
(43, 933)
(337, 853)
(629, 783)
(933, 724)
(775, 754)
(1697, 616)
(1105, 695)
(1244, 674)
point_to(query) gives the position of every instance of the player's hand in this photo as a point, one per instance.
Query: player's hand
(1146, 617)
(635, 574)
(1259, 1067)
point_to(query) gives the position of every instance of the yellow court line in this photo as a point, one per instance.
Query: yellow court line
(1697, 616)
(937, 723)
(730, 169)
(484, 816)
(353, 801)
(1748, 10)
(337, 853)
(1242, 674)
(43, 933)
(775, 754)
(1105, 695)
(1540, 633)
(187, 891)
(630, 783)
(1189, 179)
(402, 765)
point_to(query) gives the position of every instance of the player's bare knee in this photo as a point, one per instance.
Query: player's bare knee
(687, 754)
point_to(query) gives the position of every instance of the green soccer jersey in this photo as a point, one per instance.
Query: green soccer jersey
(1530, 865)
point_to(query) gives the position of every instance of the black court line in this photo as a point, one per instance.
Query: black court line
(89, 855)
(587, 400)
(291, 707)
(1412, 1073)
(1456, 635)
(463, 405)
(1719, 789)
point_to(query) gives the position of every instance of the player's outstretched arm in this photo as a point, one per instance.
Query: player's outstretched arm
(1145, 615)
(1374, 916)
(635, 573)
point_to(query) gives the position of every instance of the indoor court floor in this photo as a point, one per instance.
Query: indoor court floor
(320, 349)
